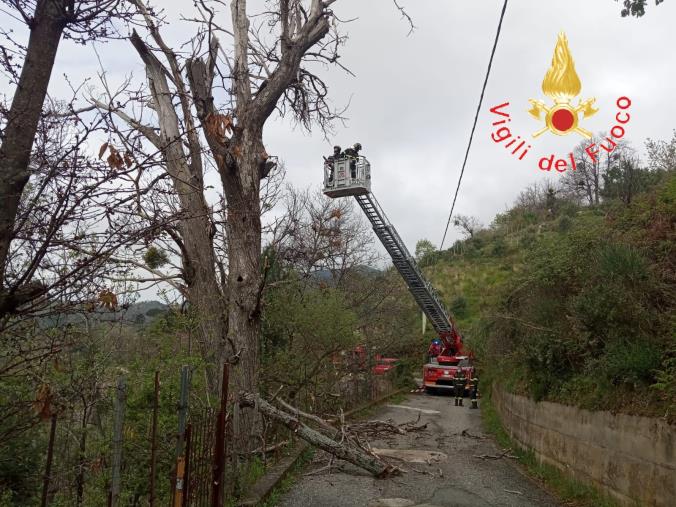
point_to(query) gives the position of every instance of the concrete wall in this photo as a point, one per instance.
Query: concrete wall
(633, 459)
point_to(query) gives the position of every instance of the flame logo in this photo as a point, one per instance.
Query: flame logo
(561, 83)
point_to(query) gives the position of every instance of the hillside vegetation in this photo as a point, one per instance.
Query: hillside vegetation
(571, 302)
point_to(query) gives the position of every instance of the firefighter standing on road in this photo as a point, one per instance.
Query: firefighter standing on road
(459, 386)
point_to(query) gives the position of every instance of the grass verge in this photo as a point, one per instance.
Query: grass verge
(571, 491)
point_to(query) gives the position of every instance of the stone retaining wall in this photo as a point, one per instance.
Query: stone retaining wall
(633, 459)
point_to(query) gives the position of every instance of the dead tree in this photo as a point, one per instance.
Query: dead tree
(236, 79)
(241, 157)
(234, 137)
(467, 224)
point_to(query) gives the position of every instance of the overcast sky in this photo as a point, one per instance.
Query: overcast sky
(413, 99)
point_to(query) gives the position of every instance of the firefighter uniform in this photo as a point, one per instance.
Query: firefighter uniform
(459, 386)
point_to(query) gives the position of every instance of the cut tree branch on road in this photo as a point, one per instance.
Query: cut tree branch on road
(342, 450)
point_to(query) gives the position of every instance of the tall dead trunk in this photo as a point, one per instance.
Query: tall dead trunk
(203, 292)
(23, 117)
(196, 230)
(242, 191)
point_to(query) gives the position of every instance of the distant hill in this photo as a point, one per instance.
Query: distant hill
(325, 275)
(140, 313)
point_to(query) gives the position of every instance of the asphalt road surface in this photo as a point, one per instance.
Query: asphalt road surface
(443, 466)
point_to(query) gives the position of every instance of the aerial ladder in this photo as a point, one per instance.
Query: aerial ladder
(351, 176)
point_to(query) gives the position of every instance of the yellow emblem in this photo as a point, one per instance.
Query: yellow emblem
(562, 84)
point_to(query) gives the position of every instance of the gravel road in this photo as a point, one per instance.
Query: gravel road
(447, 472)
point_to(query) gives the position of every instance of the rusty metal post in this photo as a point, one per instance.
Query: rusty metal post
(219, 445)
(177, 479)
(153, 439)
(48, 465)
(186, 469)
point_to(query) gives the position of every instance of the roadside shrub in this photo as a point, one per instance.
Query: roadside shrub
(666, 381)
(565, 223)
(633, 363)
(498, 248)
(528, 240)
(622, 263)
(530, 217)
(459, 307)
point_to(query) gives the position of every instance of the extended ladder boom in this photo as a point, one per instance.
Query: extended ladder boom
(422, 291)
(346, 175)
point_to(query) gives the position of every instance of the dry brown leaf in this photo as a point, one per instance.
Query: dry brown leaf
(43, 402)
(108, 299)
(115, 160)
(102, 150)
(218, 125)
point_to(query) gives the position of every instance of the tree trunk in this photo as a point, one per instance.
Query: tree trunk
(242, 192)
(204, 293)
(24, 115)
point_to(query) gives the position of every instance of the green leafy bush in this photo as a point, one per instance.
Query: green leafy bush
(631, 363)
(459, 307)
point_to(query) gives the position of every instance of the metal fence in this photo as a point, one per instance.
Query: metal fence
(195, 469)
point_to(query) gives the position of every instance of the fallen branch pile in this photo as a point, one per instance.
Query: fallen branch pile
(344, 441)
(379, 428)
(349, 447)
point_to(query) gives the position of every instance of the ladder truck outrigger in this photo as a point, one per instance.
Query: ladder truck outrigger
(350, 175)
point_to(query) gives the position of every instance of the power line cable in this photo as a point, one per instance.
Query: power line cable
(476, 116)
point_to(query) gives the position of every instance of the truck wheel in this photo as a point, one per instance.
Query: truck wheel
(431, 391)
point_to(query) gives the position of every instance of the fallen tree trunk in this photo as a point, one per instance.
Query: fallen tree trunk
(321, 422)
(344, 451)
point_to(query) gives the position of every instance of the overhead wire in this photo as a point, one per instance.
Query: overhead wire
(476, 116)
